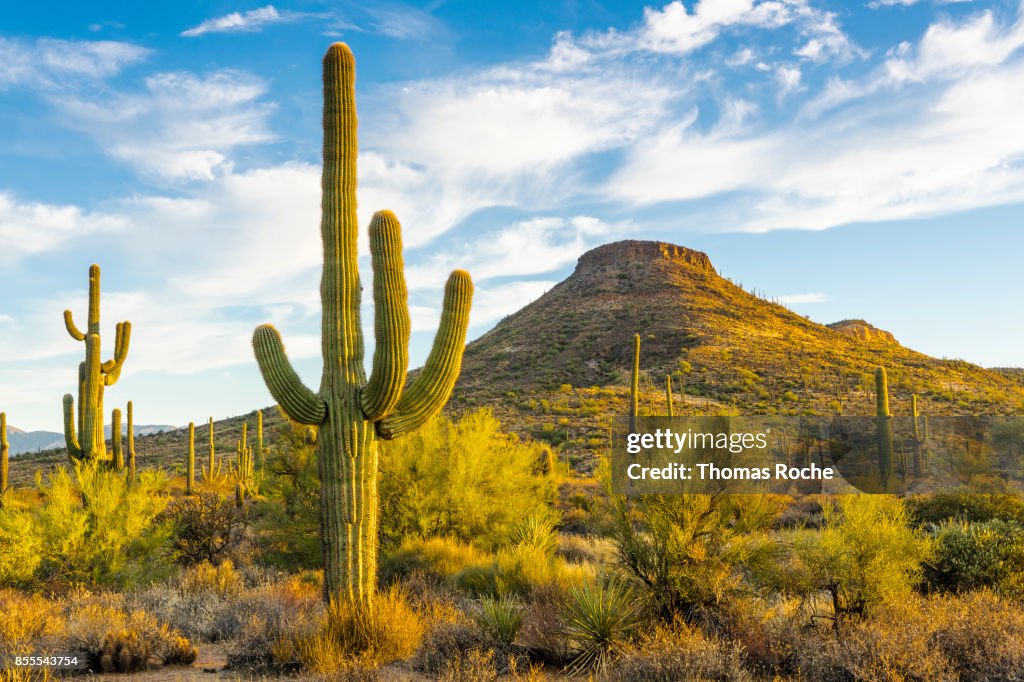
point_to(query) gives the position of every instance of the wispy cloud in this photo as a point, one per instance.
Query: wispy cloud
(803, 299)
(46, 62)
(253, 20)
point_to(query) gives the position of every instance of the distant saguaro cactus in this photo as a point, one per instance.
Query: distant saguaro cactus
(634, 384)
(259, 440)
(884, 430)
(668, 394)
(93, 375)
(131, 444)
(350, 413)
(190, 461)
(243, 469)
(4, 453)
(115, 439)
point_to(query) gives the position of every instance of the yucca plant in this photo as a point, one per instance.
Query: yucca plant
(537, 532)
(500, 618)
(599, 618)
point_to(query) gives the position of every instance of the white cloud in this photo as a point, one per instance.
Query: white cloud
(253, 20)
(47, 63)
(181, 126)
(803, 299)
(34, 227)
(742, 57)
(789, 79)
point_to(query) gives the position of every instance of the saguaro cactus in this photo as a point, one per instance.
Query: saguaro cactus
(668, 394)
(634, 384)
(4, 453)
(351, 413)
(243, 469)
(131, 444)
(211, 473)
(259, 440)
(115, 439)
(93, 375)
(884, 430)
(190, 461)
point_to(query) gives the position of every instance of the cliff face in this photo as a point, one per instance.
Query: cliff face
(860, 330)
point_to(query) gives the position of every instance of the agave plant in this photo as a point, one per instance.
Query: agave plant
(599, 618)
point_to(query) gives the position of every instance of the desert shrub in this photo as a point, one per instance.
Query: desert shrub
(598, 619)
(679, 652)
(378, 632)
(112, 639)
(447, 641)
(865, 553)
(223, 580)
(438, 557)
(465, 480)
(207, 527)
(970, 508)
(475, 665)
(981, 634)
(500, 618)
(288, 520)
(27, 622)
(970, 556)
(92, 528)
(691, 552)
(893, 643)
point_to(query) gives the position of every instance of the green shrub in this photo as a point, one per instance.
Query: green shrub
(440, 558)
(969, 556)
(972, 508)
(465, 480)
(91, 528)
(207, 528)
(500, 618)
(680, 652)
(865, 553)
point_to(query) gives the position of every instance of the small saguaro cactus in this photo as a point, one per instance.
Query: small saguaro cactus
(351, 413)
(89, 443)
(634, 384)
(115, 439)
(211, 473)
(668, 394)
(920, 437)
(243, 469)
(884, 430)
(131, 443)
(4, 454)
(259, 440)
(190, 461)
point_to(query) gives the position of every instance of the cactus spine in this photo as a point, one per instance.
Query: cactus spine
(4, 453)
(351, 413)
(190, 461)
(884, 430)
(131, 443)
(93, 375)
(115, 439)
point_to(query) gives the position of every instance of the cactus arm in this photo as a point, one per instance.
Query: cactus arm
(69, 323)
(122, 338)
(298, 402)
(70, 439)
(391, 318)
(430, 390)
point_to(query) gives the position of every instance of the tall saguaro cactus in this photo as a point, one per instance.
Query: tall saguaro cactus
(884, 430)
(349, 412)
(190, 461)
(259, 440)
(89, 443)
(4, 453)
(668, 394)
(634, 384)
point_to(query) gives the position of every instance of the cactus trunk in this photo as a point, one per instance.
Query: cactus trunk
(884, 430)
(190, 462)
(350, 413)
(213, 452)
(88, 442)
(115, 440)
(634, 384)
(668, 394)
(131, 444)
(259, 440)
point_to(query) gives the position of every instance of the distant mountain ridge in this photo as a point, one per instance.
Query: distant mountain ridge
(38, 441)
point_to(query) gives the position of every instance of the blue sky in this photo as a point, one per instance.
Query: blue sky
(854, 159)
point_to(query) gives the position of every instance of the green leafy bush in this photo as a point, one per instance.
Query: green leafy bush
(91, 528)
(500, 618)
(865, 554)
(969, 556)
(933, 509)
(466, 480)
